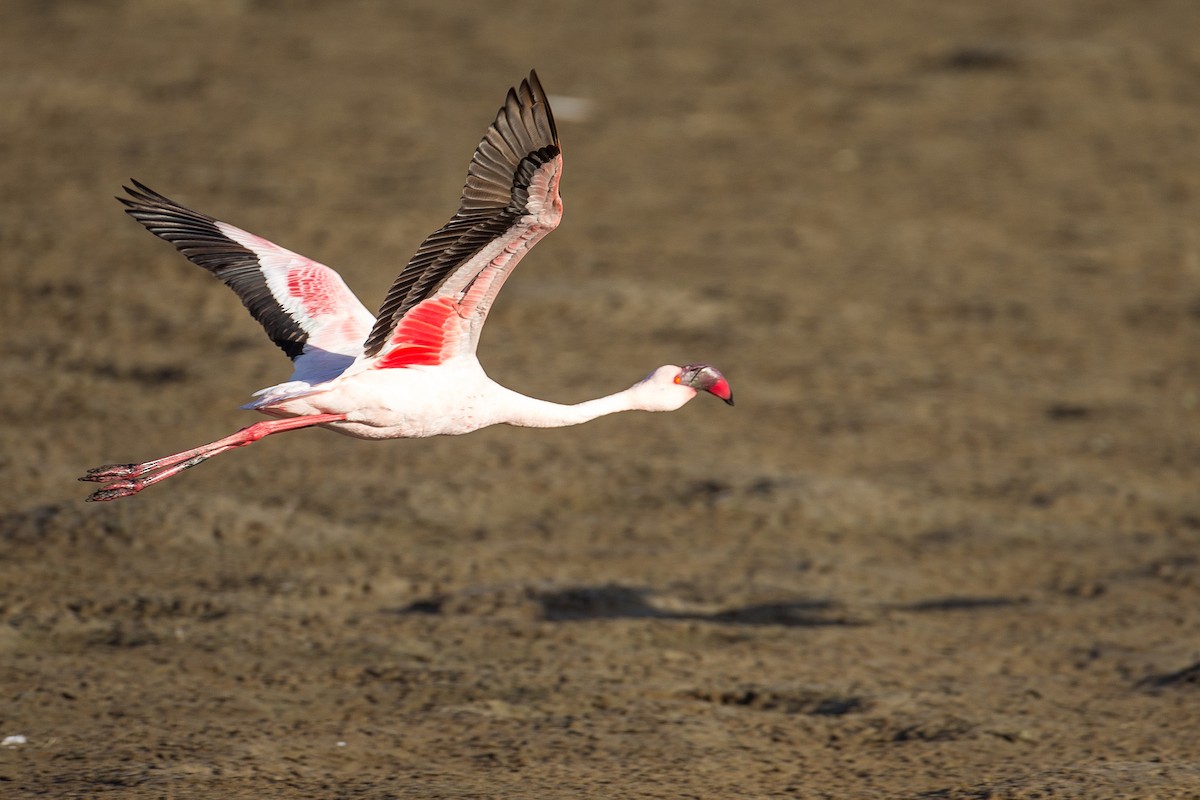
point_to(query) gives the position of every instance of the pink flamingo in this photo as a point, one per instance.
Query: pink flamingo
(411, 372)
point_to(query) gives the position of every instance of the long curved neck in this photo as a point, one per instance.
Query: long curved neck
(515, 408)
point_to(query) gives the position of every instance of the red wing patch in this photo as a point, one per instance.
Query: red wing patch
(314, 289)
(425, 337)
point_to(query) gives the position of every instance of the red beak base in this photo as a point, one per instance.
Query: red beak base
(721, 389)
(706, 378)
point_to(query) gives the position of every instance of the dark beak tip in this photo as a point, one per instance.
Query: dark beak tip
(729, 400)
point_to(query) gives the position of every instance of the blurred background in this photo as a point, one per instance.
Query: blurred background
(947, 255)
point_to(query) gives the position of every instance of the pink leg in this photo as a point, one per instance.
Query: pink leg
(123, 480)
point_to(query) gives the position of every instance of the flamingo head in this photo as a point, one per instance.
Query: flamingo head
(670, 387)
(705, 378)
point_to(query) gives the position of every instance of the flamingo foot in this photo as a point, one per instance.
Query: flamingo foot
(126, 480)
(110, 471)
(116, 491)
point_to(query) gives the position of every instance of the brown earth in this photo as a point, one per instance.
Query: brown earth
(944, 547)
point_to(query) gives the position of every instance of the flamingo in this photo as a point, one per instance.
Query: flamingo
(412, 371)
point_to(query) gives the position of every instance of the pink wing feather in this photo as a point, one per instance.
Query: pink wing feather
(436, 307)
(305, 307)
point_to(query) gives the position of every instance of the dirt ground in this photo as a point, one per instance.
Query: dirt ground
(945, 546)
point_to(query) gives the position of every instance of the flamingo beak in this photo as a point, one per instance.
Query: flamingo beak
(721, 389)
(706, 378)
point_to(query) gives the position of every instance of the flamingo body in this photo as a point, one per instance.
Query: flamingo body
(411, 371)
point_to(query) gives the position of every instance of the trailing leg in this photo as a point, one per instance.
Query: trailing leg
(124, 480)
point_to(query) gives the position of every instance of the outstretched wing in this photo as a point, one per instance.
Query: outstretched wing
(436, 307)
(305, 307)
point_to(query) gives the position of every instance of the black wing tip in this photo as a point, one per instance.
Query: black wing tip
(140, 191)
(141, 195)
(133, 193)
(144, 200)
(532, 87)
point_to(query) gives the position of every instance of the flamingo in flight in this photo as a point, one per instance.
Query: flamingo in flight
(412, 371)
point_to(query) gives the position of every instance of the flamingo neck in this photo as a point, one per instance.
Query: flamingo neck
(529, 412)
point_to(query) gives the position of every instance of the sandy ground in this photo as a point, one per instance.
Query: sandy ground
(944, 547)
